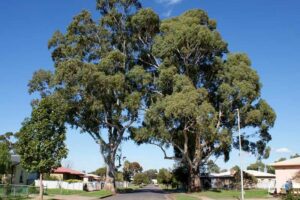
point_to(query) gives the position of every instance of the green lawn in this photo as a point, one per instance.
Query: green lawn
(101, 193)
(233, 194)
(184, 197)
(131, 188)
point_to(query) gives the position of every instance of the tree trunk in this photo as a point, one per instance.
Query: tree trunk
(110, 182)
(41, 187)
(194, 181)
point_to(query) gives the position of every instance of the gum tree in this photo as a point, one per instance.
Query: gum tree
(198, 88)
(100, 73)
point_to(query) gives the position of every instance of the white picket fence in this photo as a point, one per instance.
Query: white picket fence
(69, 186)
(90, 186)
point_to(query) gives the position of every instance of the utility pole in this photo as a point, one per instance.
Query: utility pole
(241, 163)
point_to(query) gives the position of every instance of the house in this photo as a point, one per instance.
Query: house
(18, 175)
(225, 180)
(63, 173)
(286, 171)
(264, 180)
(91, 178)
(222, 180)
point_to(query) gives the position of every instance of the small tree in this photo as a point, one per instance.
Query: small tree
(151, 173)
(141, 178)
(260, 166)
(5, 160)
(100, 172)
(130, 169)
(249, 180)
(212, 167)
(181, 174)
(41, 138)
(165, 177)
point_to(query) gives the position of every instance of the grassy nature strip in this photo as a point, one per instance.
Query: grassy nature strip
(233, 194)
(185, 197)
(99, 194)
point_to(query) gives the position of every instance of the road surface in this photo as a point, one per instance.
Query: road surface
(147, 193)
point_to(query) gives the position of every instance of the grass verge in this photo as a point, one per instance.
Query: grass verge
(98, 194)
(234, 194)
(130, 189)
(184, 197)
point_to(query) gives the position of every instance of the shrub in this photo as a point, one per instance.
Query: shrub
(291, 196)
(73, 181)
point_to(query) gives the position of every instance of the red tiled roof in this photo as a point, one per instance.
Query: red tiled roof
(62, 170)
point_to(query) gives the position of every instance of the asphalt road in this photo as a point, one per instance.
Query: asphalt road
(147, 193)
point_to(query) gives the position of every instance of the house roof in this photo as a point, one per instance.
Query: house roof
(290, 162)
(230, 174)
(222, 175)
(259, 174)
(63, 170)
(92, 176)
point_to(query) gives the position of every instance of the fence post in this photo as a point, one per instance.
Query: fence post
(14, 191)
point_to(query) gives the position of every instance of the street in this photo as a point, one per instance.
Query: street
(148, 193)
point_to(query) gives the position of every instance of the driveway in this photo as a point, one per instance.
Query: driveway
(147, 193)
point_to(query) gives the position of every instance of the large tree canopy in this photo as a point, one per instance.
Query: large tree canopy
(101, 73)
(199, 87)
(176, 72)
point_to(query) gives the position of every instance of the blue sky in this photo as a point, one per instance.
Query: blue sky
(268, 31)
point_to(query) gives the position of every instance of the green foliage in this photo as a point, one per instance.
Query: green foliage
(96, 194)
(5, 158)
(198, 88)
(164, 176)
(212, 167)
(184, 197)
(42, 136)
(48, 177)
(181, 174)
(296, 155)
(234, 194)
(99, 73)
(100, 171)
(281, 159)
(141, 178)
(73, 181)
(151, 173)
(107, 71)
(291, 196)
(249, 180)
(119, 176)
(260, 166)
(130, 169)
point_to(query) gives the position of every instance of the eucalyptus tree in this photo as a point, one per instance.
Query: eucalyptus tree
(101, 73)
(197, 90)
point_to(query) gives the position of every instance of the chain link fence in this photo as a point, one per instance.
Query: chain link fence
(16, 191)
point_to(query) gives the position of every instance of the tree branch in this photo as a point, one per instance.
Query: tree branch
(165, 153)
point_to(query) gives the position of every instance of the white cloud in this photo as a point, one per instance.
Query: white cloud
(283, 150)
(167, 13)
(169, 2)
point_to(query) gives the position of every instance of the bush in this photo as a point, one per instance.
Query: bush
(73, 181)
(48, 177)
(32, 189)
(291, 196)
